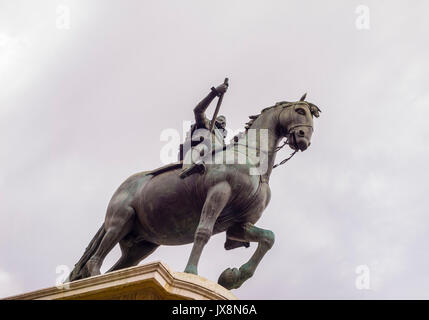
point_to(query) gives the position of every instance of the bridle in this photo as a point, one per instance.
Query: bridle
(292, 128)
(291, 131)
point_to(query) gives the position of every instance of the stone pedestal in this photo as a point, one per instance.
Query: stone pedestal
(152, 281)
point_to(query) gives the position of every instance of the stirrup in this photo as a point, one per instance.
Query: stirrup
(196, 167)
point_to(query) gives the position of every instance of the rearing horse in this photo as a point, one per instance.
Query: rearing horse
(156, 208)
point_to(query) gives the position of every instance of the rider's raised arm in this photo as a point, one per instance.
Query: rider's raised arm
(199, 111)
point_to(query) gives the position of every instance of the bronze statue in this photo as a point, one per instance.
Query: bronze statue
(158, 207)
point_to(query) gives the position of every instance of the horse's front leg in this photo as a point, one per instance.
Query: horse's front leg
(234, 278)
(217, 198)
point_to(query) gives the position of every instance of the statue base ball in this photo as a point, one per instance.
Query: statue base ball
(152, 281)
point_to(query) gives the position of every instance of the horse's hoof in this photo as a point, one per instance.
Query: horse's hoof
(229, 279)
(90, 269)
(81, 274)
(85, 272)
(191, 270)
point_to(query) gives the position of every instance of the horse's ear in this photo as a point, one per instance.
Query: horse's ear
(315, 111)
(303, 97)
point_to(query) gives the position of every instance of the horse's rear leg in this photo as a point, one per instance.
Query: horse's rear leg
(133, 253)
(118, 224)
(234, 278)
(217, 198)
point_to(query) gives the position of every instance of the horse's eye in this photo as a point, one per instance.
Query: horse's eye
(301, 111)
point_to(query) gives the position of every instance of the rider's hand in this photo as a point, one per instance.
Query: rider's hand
(222, 88)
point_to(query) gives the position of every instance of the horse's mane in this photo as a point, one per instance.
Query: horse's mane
(283, 104)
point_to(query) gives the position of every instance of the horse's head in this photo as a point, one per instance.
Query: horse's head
(296, 122)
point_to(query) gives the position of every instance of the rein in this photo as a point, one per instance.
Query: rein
(287, 159)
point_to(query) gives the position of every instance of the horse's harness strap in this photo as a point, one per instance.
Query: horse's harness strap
(292, 128)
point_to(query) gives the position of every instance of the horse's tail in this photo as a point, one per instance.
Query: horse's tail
(77, 272)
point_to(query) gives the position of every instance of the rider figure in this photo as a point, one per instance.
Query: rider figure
(199, 139)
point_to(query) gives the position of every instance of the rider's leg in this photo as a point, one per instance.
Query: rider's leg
(192, 162)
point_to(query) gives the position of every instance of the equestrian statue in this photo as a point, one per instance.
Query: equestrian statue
(213, 188)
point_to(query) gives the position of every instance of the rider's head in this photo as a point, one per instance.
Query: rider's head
(221, 122)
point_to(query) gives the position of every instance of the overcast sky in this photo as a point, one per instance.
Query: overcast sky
(82, 108)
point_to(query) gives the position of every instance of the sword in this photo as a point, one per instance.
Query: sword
(219, 102)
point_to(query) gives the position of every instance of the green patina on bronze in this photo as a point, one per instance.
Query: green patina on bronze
(158, 207)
